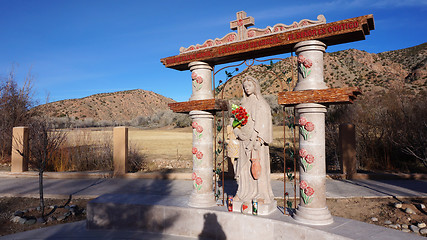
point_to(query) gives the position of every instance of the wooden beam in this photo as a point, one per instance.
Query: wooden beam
(330, 95)
(344, 31)
(201, 105)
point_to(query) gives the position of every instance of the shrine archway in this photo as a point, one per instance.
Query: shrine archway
(308, 39)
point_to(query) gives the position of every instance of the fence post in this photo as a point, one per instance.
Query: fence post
(347, 146)
(120, 155)
(19, 149)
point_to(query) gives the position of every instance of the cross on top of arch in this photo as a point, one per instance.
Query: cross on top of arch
(241, 24)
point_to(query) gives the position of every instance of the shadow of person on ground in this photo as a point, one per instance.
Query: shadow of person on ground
(128, 205)
(211, 228)
(134, 206)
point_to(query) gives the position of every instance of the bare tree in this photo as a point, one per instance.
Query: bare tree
(411, 136)
(45, 141)
(391, 129)
(15, 103)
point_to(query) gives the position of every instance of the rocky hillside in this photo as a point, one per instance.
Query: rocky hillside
(123, 105)
(406, 68)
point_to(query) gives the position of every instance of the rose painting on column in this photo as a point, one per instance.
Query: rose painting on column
(197, 181)
(197, 81)
(304, 65)
(306, 159)
(305, 127)
(306, 192)
(197, 130)
(197, 155)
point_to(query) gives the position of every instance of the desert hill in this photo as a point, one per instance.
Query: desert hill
(123, 105)
(406, 68)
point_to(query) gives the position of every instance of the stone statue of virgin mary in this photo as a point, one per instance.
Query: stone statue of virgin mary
(253, 167)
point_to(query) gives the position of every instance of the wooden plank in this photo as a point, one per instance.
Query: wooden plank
(344, 31)
(201, 105)
(330, 95)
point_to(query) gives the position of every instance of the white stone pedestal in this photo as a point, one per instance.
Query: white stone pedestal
(313, 216)
(312, 208)
(263, 208)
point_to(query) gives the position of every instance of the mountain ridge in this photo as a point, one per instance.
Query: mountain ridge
(122, 105)
(404, 68)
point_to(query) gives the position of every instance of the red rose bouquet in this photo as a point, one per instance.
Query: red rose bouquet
(240, 116)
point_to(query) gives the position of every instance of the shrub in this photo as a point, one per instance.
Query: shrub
(162, 119)
(83, 152)
(391, 130)
(136, 160)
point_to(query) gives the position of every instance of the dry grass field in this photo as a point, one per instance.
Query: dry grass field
(163, 143)
(176, 143)
(79, 136)
(162, 148)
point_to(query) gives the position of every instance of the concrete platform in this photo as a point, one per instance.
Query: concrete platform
(78, 231)
(136, 199)
(171, 216)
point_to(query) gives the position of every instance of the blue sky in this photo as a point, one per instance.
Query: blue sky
(82, 47)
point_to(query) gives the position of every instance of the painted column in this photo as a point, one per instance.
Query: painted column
(202, 195)
(312, 208)
(201, 76)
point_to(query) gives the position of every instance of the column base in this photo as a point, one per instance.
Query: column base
(263, 208)
(202, 200)
(313, 216)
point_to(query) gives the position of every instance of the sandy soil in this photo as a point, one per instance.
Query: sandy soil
(9, 205)
(364, 209)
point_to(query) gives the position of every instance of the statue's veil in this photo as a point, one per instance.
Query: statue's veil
(257, 88)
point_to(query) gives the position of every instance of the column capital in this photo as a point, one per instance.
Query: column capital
(201, 114)
(310, 45)
(310, 108)
(199, 65)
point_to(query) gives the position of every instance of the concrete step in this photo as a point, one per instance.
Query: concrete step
(170, 215)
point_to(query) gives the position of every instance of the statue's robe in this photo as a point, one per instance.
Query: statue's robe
(256, 135)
